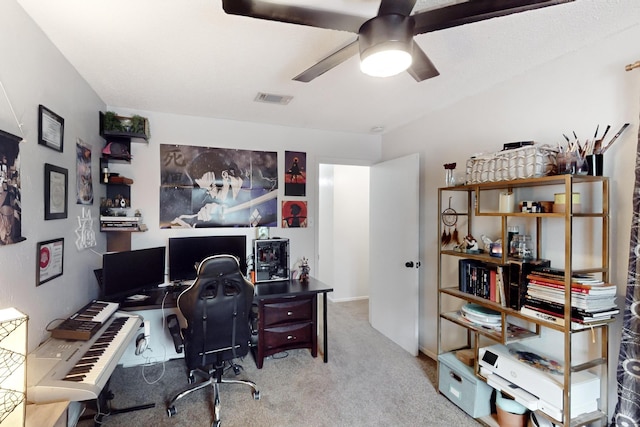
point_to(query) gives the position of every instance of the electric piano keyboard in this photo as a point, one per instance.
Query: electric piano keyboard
(79, 370)
(86, 322)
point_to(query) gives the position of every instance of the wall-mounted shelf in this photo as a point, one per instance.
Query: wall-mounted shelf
(119, 132)
(115, 127)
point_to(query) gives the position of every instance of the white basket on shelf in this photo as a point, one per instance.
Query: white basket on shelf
(518, 163)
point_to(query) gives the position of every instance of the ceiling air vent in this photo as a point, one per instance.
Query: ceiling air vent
(271, 98)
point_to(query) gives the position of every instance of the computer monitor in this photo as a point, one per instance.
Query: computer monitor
(130, 272)
(186, 253)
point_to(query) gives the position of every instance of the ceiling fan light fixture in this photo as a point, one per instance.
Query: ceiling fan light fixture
(386, 45)
(385, 62)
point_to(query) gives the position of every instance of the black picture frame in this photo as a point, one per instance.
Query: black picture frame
(50, 129)
(49, 260)
(56, 189)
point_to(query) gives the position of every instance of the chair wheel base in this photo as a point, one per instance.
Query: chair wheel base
(256, 395)
(171, 411)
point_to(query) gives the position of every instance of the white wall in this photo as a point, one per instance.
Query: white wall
(344, 230)
(572, 93)
(187, 130)
(33, 72)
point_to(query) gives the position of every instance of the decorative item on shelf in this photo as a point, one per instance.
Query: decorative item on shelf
(512, 232)
(116, 150)
(13, 352)
(117, 179)
(304, 270)
(119, 201)
(449, 169)
(506, 203)
(559, 203)
(596, 164)
(449, 219)
(532, 206)
(470, 245)
(525, 247)
(121, 126)
(526, 162)
(572, 162)
(582, 158)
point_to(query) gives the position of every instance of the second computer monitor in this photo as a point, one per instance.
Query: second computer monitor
(185, 253)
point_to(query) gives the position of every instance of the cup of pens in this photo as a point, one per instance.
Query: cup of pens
(596, 164)
(572, 162)
(585, 158)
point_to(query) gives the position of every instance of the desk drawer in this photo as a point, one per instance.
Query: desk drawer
(283, 311)
(291, 336)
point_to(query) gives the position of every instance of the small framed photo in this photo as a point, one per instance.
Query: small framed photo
(50, 129)
(56, 183)
(50, 260)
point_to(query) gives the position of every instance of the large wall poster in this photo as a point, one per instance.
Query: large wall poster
(217, 187)
(10, 195)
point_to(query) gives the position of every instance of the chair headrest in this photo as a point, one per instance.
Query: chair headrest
(219, 265)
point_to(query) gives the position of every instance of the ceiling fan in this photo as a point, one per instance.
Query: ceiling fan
(385, 40)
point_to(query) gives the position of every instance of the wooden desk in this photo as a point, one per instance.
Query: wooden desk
(287, 312)
(47, 414)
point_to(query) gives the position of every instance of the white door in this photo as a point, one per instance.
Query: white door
(393, 267)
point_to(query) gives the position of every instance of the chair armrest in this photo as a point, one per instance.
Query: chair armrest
(174, 329)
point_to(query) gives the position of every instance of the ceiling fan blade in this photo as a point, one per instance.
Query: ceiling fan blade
(474, 11)
(421, 67)
(327, 63)
(400, 7)
(294, 14)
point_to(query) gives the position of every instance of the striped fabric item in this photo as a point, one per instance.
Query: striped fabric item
(627, 412)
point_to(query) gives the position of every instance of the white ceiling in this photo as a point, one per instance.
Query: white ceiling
(189, 57)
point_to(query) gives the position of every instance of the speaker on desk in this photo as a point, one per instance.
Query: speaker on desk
(518, 272)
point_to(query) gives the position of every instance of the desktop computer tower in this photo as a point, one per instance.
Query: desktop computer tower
(271, 260)
(518, 271)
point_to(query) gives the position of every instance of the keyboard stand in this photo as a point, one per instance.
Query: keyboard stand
(102, 407)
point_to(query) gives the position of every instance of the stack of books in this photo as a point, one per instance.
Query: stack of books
(482, 280)
(120, 223)
(592, 300)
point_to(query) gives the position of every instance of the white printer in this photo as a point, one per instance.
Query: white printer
(536, 380)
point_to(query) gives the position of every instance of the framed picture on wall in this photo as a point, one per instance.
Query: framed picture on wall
(50, 129)
(56, 180)
(50, 260)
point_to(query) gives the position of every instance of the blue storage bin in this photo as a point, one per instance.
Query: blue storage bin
(460, 385)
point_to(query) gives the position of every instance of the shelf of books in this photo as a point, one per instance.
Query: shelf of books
(507, 302)
(592, 300)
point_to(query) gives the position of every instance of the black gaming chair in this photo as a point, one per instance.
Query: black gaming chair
(217, 308)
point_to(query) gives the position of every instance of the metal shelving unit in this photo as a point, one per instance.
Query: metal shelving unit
(478, 197)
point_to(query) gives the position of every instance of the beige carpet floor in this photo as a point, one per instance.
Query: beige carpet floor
(368, 381)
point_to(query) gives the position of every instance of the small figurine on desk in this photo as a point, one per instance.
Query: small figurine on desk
(304, 270)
